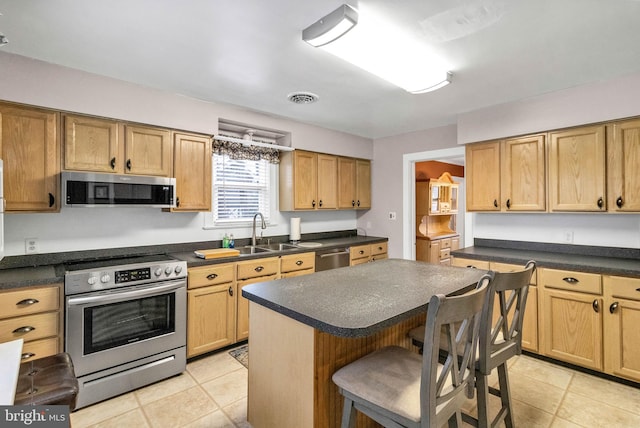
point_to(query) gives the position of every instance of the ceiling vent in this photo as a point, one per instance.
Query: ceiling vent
(302, 97)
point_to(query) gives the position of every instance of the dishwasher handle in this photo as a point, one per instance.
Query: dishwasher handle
(339, 253)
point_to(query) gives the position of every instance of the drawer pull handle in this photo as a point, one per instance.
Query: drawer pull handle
(619, 202)
(320, 202)
(472, 267)
(495, 203)
(570, 280)
(129, 164)
(259, 269)
(113, 163)
(212, 276)
(613, 307)
(313, 203)
(353, 203)
(508, 203)
(27, 302)
(596, 305)
(299, 262)
(25, 329)
(27, 355)
(230, 291)
(600, 202)
(361, 252)
(379, 248)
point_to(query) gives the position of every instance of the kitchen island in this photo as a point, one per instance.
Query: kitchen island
(303, 329)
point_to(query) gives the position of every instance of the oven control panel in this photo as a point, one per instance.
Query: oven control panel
(86, 280)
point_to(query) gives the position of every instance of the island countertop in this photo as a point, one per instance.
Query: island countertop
(361, 300)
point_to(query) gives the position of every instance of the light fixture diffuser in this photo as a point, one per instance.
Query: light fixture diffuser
(381, 48)
(331, 27)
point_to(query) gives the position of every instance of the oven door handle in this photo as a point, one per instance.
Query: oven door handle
(118, 296)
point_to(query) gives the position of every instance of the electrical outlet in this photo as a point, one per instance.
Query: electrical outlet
(31, 245)
(392, 215)
(568, 237)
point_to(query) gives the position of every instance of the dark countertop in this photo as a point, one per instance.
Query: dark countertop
(361, 300)
(44, 269)
(601, 260)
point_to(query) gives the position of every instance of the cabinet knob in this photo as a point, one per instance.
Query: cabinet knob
(52, 200)
(508, 203)
(613, 307)
(619, 202)
(259, 269)
(230, 291)
(358, 202)
(177, 202)
(570, 280)
(353, 203)
(600, 202)
(299, 262)
(313, 203)
(129, 164)
(25, 329)
(596, 305)
(495, 203)
(27, 355)
(27, 302)
(320, 203)
(212, 276)
(113, 163)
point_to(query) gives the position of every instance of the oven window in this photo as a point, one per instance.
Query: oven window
(117, 324)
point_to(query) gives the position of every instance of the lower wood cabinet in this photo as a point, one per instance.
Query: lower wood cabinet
(297, 265)
(34, 315)
(571, 317)
(621, 321)
(367, 253)
(436, 251)
(211, 303)
(250, 272)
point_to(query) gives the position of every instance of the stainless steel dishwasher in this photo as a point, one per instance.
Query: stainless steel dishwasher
(332, 258)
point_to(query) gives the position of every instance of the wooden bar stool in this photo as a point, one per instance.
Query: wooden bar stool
(47, 380)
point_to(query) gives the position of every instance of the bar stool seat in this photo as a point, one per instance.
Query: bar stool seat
(48, 380)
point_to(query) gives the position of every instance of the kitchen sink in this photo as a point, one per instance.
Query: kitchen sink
(278, 247)
(250, 249)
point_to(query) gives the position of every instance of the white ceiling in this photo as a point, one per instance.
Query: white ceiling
(250, 53)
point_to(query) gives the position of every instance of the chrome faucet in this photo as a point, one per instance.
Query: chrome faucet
(262, 226)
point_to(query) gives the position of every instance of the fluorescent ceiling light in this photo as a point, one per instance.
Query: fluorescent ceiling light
(331, 27)
(385, 50)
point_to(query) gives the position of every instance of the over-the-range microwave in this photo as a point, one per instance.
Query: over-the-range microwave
(84, 189)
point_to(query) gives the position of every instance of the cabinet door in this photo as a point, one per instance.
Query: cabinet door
(577, 170)
(621, 321)
(91, 144)
(305, 180)
(30, 150)
(363, 184)
(346, 183)
(623, 155)
(572, 327)
(523, 174)
(482, 165)
(148, 151)
(242, 322)
(327, 181)
(192, 168)
(211, 318)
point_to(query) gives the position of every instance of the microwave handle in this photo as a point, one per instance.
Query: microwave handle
(119, 296)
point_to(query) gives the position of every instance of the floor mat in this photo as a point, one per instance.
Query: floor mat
(241, 354)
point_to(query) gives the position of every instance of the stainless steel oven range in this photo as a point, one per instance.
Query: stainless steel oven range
(125, 323)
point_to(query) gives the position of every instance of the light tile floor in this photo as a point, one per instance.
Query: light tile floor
(212, 393)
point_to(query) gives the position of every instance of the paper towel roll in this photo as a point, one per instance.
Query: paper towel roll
(295, 229)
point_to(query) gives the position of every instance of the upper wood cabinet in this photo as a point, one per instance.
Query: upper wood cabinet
(482, 169)
(327, 181)
(192, 168)
(506, 175)
(91, 144)
(103, 145)
(147, 151)
(30, 149)
(623, 160)
(354, 183)
(317, 181)
(577, 169)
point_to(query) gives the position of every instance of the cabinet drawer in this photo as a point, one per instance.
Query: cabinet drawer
(573, 281)
(210, 275)
(620, 287)
(256, 268)
(507, 267)
(361, 251)
(379, 248)
(34, 327)
(29, 301)
(445, 253)
(296, 262)
(470, 263)
(445, 243)
(39, 348)
(297, 273)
